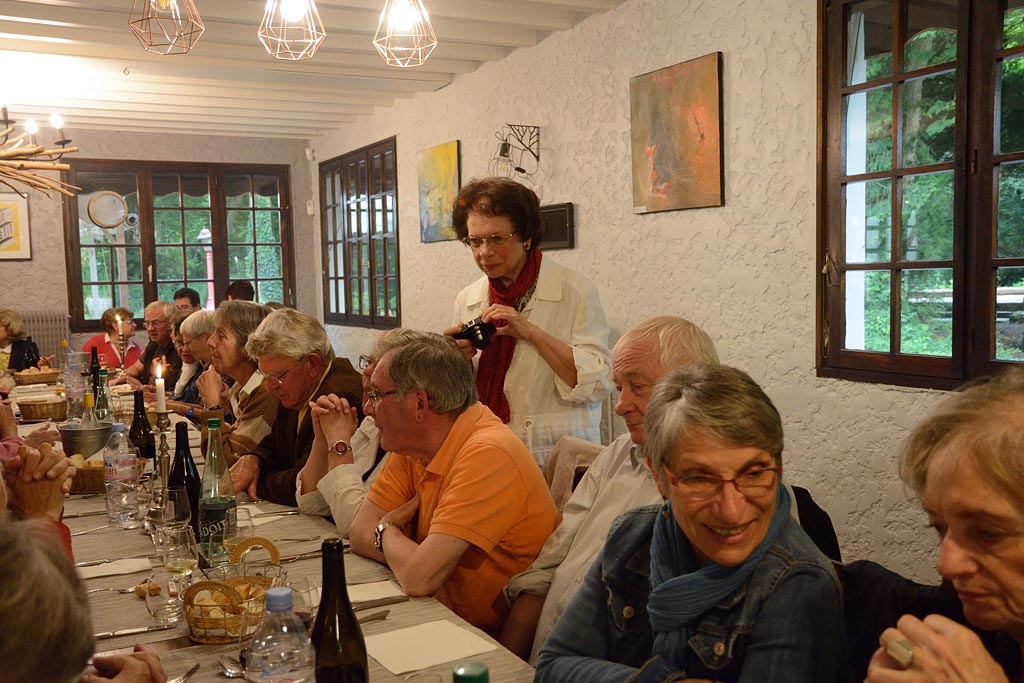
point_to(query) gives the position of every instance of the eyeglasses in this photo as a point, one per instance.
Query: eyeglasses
(374, 396)
(494, 241)
(753, 483)
(366, 361)
(274, 381)
(154, 323)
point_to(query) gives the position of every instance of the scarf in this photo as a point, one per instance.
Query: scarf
(682, 590)
(496, 358)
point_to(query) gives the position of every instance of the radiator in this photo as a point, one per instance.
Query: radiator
(47, 328)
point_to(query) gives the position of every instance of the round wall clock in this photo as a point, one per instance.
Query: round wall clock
(107, 209)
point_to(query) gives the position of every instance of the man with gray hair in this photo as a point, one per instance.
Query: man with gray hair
(298, 364)
(460, 505)
(618, 480)
(159, 351)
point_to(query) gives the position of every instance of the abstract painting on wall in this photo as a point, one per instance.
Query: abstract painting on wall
(676, 135)
(437, 172)
(15, 240)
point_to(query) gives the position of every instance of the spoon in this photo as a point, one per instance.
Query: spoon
(231, 667)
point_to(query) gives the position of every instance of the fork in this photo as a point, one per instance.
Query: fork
(185, 676)
(119, 590)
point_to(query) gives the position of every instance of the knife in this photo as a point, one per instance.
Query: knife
(93, 563)
(132, 631)
(74, 515)
(275, 514)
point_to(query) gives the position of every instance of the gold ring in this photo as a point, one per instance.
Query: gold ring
(900, 650)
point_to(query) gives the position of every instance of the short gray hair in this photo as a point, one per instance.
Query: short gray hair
(392, 339)
(434, 363)
(291, 334)
(166, 307)
(242, 318)
(710, 401)
(44, 612)
(680, 341)
(197, 324)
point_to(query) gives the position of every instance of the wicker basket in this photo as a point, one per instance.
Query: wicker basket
(90, 479)
(225, 611)
(48, 376)
(39, 409)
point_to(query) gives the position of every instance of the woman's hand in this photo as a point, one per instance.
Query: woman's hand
(210, 386)
(468, 350)
(45, 434)
(509, 322)
(143, 666)
(943, 652)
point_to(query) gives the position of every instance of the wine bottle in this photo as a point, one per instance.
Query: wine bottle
(337, 638)
(89, 420)
(141, 434)
(31, 354)
(216, 498)
(185, 474)
(94, 370)
(470, 672)
(104, 406)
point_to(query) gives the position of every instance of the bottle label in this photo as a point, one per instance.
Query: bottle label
(215, 525)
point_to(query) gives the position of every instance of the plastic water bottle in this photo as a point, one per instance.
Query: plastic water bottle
(120, 474)
(280, 651)
(74, 384)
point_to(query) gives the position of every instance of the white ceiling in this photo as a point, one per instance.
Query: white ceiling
(78, 57)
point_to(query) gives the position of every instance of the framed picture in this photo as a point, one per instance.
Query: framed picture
(559, 226)
(15, 240)
(675, 117)
(438, 179)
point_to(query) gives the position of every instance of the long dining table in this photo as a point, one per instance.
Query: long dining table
(293, 534)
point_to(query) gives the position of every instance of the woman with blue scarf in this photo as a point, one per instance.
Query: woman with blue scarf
(720, 583)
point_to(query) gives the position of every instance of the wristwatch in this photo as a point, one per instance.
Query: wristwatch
(378, 535)
(341, 447)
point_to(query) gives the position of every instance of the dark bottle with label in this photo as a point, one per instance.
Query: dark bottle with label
(94, 370)
(337, 638)
(141, 434)
(185, 474)
(31, 354)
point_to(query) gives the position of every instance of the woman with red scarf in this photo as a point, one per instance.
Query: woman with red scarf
(547, 368)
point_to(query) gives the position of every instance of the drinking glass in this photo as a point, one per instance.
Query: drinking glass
(238, 527)
(304, 599)
(163, 597)
(180, 553)
(177, 509)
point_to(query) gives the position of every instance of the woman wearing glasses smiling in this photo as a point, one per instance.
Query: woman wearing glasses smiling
(547, 368)
(719, 583)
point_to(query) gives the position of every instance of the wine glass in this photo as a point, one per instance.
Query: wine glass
(163, 599)
(304, 602)
(181, 555)
(238, 527)
(177, 508)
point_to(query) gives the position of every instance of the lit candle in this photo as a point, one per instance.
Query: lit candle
(120, 330)
(31, 127)
(57, 121)
(161, 397)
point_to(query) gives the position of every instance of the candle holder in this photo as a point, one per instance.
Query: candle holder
(161, 473)
(122, 345)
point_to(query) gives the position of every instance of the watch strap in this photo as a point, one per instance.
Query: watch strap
(378, 535)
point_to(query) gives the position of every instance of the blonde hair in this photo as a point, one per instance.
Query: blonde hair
(679, 341)
(13, 322)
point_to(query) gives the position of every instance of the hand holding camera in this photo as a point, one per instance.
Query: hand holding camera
(476, 332)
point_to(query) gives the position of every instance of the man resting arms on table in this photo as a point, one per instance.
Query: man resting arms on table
(460, 505)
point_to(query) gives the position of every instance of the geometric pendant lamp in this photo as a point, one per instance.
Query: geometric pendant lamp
(404, 35)
(167, 27)
(291, 29)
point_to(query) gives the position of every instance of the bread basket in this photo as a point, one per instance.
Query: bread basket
(35, 376)
(227, 610)
(39, 409)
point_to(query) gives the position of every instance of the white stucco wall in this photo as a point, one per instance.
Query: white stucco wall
(745, 272)
(46, 272)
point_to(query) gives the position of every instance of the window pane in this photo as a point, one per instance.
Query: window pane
(1010, 104)
(268, 262)
(332, 288)
(376, 169)
(381, 308)
(928, 119)
(95, 300)
(867, 310)
(167, 226)
(96, 264)
(392, 297)
(389, 212)
(128, 264)
(239, 227)
(165, 191)
(928, 217)
(926, 323)
(196, 265)
(392, 250)
(165, 290)
(364, 298)
(931, 33)
(869, 41)
(196, 189)
(270, 290)
(353, 292)
(868, 221)
(1009, 322)
(1013, 24)
(378, 215)
(196, 222)
(267, 192)
(340, 260)
(240, 263)
(170, 264)
(389, 171)
(868, 131)
(236, 188)
(1011, 210)
(268, 226)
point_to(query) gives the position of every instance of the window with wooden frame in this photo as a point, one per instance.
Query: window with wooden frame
(359, 229)
(139, 231)
(921, 189)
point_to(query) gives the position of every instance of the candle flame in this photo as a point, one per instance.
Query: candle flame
(159, 370)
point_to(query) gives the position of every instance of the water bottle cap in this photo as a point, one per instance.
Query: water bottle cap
(117, 427)
(470, 672)
(213, 423)
(279, 599)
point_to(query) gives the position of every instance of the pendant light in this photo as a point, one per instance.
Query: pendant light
(291, 29)
(167, 27)
(404, 35)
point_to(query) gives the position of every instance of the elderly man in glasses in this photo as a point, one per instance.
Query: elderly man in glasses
(159, 351)
(460, 505)
(298, 364)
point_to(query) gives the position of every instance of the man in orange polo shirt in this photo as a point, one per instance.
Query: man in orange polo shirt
(460, 505)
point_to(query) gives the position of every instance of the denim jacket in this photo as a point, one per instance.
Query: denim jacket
(784, 624)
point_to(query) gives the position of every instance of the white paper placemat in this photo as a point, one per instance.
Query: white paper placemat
(364, 592)
(116, 567)
(426, 645)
